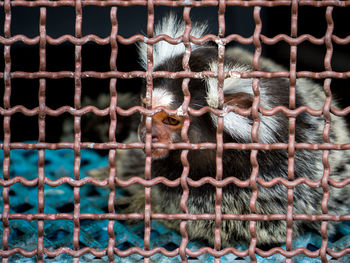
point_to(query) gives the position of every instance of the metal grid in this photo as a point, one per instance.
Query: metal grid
(112, 182)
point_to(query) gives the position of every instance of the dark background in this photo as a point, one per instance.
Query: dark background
(132, 20)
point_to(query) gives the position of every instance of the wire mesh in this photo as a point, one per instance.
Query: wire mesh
(113, 182)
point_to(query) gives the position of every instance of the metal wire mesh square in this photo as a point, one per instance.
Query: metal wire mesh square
(78, 222)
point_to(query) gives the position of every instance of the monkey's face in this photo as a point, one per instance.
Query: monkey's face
(165, 128)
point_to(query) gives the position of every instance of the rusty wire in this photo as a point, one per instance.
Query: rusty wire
(257, 39)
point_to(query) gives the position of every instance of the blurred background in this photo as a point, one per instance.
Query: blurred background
(133, 20)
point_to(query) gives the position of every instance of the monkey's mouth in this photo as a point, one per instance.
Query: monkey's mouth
(159, 153)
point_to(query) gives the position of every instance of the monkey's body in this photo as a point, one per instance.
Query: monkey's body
(272, 163)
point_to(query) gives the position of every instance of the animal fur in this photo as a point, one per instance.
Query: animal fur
(237, 128)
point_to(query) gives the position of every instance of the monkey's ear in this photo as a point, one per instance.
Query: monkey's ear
(240, 99)
(237, 90)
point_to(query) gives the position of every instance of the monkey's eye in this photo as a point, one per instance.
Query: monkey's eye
(171, 121)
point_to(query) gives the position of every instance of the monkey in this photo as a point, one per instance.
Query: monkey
(167, 93)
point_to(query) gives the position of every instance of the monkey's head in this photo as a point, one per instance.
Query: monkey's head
(168, 93)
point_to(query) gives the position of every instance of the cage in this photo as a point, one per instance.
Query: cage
(70, 85)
